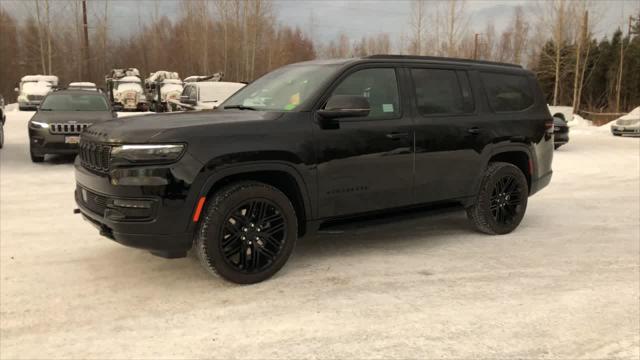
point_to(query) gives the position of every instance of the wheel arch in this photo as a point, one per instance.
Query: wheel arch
(518, 156)
(282, 176)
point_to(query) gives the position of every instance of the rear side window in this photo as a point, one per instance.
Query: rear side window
(507, 92)
(439, 92)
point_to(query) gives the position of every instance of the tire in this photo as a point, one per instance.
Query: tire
(617, 134)
(1, 136)
(501, 201)
(244, 233)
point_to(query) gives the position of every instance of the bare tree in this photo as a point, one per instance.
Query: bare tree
(418, 26)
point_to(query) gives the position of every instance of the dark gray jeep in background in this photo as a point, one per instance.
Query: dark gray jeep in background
(63, 115)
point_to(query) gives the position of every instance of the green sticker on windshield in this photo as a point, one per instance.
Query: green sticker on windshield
(290, 106)
(387, 108)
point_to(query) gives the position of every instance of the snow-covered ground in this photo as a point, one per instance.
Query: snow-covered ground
(566, 284)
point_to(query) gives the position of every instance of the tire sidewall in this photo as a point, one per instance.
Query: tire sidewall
(209, 235)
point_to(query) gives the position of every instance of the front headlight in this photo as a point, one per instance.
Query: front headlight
(147, 153)
(39, 125)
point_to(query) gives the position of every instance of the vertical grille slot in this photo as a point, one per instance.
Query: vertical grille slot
(95, 157)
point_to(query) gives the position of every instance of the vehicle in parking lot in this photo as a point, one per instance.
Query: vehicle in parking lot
(63, 115)
(315, 142)
(33, 88)
(560, 132)
(206, 95)
(125, 90)
(627, 125)
(162, 87)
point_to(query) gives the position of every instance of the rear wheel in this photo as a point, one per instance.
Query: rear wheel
(248, 232)
(502, 200)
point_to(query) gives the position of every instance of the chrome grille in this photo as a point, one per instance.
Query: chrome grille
(35, 97)
(69, 129)
(95, 156)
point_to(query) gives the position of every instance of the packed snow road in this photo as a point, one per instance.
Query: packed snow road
(563, 285)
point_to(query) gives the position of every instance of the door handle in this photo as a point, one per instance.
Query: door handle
(397, 135)
(474, 130)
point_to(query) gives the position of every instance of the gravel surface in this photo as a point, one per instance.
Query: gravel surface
(564, 285)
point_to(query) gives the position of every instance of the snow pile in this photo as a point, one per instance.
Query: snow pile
(578, 121)
(82, 84)
(566, 111)
(36, 87)
(633, 115)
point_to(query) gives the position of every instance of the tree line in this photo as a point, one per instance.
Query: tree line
(245, 39)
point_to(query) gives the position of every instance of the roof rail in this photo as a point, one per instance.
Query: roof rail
(439, 58)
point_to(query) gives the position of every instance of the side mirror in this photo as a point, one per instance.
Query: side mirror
(343, 106)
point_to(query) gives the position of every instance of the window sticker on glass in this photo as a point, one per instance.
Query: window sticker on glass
(387, 108)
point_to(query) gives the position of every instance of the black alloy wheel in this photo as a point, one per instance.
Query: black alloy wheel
(247, 232)
(501, 201)
(253, 236)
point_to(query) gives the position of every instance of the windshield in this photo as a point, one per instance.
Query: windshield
(283, 89)
(68, 102)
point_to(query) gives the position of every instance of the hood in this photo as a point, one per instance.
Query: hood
(85, 117)
(174, 127)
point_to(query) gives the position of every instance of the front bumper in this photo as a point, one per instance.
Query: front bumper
(43, 142)
(164, 228)
(625, 130)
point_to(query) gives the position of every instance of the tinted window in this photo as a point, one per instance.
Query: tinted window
(68, 102)
(438, 92)
(507, 92)
(379, 86)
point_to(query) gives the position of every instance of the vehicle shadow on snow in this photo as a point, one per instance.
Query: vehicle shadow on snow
(412, 232)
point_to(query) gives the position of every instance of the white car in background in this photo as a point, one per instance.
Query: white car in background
(33, 88)
(206, 95)
(628, 124)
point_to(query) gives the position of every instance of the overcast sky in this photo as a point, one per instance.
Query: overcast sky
(326, 19)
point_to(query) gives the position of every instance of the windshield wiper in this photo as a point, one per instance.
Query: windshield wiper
(240, 107)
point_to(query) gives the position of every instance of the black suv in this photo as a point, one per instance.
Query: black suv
(315, 142)
(63, 115)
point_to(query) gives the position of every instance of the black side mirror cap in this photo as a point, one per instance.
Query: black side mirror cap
(343, 106)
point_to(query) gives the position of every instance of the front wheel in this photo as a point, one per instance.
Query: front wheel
(502, 200)
(36, 158)
(248, 232)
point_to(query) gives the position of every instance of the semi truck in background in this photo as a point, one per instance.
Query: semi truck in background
(161, 88)
(125, 90)
(33, 88)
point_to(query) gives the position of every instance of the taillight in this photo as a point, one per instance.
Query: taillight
(548, 126)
